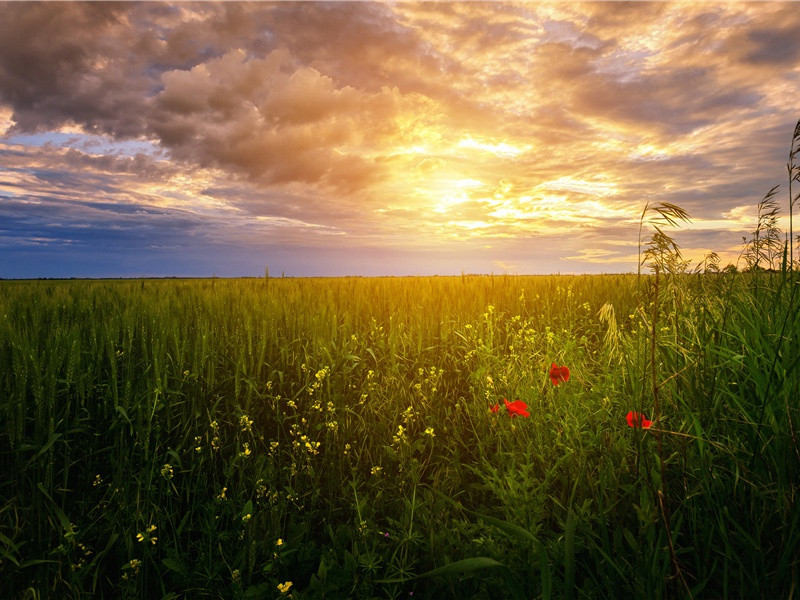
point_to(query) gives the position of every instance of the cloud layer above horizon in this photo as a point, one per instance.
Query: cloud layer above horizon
(373, 138)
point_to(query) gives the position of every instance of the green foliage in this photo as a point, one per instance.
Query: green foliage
(161, 437)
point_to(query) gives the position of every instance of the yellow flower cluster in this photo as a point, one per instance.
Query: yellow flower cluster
(147, 535)
(319, 377)
(215, 441)
(246, 423)
(400, 436)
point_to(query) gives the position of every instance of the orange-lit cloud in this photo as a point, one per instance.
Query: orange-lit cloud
(380, 138)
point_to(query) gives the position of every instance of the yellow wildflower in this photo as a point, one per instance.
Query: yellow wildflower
(284, 587)
(246, 423)
(245, 450)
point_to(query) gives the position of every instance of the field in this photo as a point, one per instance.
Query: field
(348, 438)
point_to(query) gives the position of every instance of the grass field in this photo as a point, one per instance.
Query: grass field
(615, 436)
(221, 438)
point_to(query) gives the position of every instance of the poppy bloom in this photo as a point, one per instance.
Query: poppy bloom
(517, 408)
(494, 408)
(559, 374)
(636, 419)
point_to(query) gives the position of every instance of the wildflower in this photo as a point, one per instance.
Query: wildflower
(517, 408)
(636, 419)
(245, 450)
(166, 471)
(429, 431)
(246, 518)
(495, 408)
(284, 587)
(400, 436)
(279, 542)
(235, 575)
(559, 374)
(376, 470)
(134, 564)
(246, 423)
(98, 480)
(221, 495)
(147, 535)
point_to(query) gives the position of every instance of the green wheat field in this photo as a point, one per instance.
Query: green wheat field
(360, 437)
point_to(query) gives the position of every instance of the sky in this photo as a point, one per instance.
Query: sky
(385, 138)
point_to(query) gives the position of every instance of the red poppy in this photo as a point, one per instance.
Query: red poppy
(494, 408)
(636, 419)
(559, 374)
(517, 408)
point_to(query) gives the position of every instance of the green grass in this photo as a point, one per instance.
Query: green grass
(350, 419)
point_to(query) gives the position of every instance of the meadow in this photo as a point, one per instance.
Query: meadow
(444, 437)
(222, 438)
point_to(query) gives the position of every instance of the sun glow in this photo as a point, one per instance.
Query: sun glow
(501, 149)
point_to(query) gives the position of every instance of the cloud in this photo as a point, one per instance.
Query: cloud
(272, 122)
(393, 125)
